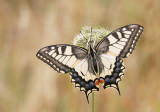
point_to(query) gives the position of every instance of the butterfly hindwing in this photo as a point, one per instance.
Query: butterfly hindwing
(120, 42)
(115, 72)
(86, 86)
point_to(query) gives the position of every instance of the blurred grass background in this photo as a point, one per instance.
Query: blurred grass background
(29, 85)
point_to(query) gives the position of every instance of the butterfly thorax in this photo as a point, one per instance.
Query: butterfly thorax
(94, 61)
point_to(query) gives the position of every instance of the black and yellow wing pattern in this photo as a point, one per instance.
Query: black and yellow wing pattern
(108, 52)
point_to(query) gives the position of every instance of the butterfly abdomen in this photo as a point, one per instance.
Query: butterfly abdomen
(94, 61)
(95, 67)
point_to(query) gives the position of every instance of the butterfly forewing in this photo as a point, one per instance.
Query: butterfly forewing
(61, 57)
(120, 42)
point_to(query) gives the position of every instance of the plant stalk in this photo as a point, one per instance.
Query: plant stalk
(93, 102)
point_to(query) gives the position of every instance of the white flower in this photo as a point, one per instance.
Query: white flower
(90, 35)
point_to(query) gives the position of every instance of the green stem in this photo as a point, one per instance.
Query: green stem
(93, 102)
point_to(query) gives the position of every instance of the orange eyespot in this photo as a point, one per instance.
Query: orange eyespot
(97, 82)
(101, 81)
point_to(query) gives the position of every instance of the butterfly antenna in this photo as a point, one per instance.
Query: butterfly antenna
(91, 37)
(91, 31)
(82, 35)
(91, 34)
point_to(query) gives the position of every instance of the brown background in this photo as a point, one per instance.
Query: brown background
(29, 85)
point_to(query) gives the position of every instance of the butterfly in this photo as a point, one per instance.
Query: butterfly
(101, 64)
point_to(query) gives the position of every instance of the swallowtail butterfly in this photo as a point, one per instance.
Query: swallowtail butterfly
(101, 64)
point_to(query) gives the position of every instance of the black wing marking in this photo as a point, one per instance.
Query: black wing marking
(120, 42)
(70, 59)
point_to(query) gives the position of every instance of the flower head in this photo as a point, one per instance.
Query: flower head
(90, 35)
